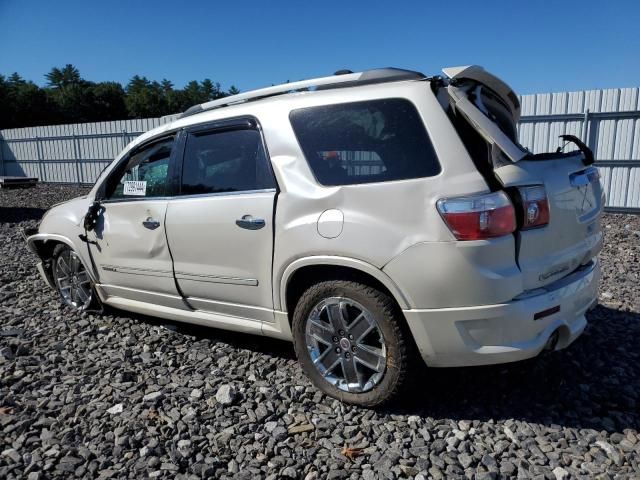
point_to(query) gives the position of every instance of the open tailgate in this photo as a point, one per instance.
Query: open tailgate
(575, 196)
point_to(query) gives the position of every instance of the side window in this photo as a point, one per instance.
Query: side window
(365, 142)
(225, 161)
(145, 174)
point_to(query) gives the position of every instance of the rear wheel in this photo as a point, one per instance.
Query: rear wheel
(71, 278)
(351, 342)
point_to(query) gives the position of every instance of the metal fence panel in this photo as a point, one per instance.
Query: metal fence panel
(74, 153)
(607, 120)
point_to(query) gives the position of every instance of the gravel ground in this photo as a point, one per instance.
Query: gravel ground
(125, 396)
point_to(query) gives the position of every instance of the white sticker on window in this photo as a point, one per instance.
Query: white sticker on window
(135, 188)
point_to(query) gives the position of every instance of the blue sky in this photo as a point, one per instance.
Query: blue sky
(535, 45)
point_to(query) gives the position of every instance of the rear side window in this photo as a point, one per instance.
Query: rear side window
(365, 142)
(225, 161)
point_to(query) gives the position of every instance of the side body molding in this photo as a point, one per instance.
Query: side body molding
(319, 260)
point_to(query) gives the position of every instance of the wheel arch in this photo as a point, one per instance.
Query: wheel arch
(303, 272)
(43, 245)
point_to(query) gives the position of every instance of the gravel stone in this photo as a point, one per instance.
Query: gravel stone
(122, 395)
(560, 473)
(117, 408)
(184, 447)
(226, 394)
(12, 454)
(152, 397)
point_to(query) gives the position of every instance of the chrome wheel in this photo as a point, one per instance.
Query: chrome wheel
(72, 280)
(346, 345)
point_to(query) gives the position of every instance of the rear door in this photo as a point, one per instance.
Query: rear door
(575, 196)
(220, 226)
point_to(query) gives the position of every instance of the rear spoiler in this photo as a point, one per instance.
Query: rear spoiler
(586, 151)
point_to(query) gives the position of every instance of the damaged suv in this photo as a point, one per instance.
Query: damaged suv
(371, 218)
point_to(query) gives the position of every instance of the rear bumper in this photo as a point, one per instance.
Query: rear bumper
(507, 332)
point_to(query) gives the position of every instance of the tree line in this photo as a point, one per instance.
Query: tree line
(68, 98)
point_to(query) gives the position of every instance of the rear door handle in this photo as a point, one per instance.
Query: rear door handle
(151, 223)
(250, 223)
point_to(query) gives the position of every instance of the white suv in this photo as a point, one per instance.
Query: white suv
(366, 216)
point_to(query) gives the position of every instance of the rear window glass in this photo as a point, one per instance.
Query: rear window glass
(365, 142)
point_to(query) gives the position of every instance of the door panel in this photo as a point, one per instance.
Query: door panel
(219, 265)
(219, 227)
(130, 254)
(129, 241)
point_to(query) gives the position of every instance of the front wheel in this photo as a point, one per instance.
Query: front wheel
(71, 278)
(351, 341)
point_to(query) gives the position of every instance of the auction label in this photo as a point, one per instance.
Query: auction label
(135, 188)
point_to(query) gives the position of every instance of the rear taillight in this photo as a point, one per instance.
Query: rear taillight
(478, 217)
(535, 206)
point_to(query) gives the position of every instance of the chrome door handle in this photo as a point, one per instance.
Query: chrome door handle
(151, 223)
(250, 223)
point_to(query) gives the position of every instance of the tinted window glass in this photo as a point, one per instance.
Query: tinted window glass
(143, 175)
(375, 141)
(225, 161)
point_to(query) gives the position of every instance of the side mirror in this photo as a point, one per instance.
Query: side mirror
(91, 218)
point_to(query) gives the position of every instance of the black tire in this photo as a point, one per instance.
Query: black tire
(398, 342)
(80, 303)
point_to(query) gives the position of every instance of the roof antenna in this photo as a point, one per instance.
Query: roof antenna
(343, 72)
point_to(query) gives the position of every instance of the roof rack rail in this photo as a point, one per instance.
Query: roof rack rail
(368, 77)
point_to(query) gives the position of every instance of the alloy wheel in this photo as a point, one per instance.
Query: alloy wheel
(72, 280)
(346, 344)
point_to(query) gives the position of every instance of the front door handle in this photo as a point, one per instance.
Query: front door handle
(250, 223)
(151, 223)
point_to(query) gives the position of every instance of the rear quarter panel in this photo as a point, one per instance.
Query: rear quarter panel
(381, 220)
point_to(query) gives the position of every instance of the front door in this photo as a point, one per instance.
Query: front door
(130, 249)
(220, 225)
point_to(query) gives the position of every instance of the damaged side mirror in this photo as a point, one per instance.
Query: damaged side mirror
(91, 218)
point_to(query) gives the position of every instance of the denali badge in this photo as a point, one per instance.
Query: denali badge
(553, 272)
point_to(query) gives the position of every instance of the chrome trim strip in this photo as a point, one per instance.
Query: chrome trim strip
(224, 194)
(137, 271)
(181, 197)
(250, 312)
(253, 282)
(136, 199)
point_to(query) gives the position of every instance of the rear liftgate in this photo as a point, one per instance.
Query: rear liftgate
(557, 196)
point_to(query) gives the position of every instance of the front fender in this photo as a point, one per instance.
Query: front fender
(40, 242)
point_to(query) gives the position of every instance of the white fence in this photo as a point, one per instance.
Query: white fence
(68, 153)
(607, 120)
